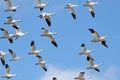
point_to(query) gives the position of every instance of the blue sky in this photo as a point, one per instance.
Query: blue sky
(64, 61)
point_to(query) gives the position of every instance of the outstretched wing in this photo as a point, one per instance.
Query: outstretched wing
(8, 3)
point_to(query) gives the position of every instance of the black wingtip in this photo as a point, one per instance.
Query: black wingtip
(42, 28)
(41, 9)
(3, 61)
(91, 30)
(2, 29)
(8, 16)
(10, 40)
(82, 72)
(10, 50)
(88, 58)
(93, 14)
(54, 43)
(97, 70)
(104, 44)
(82, 45)
(6, 66)
(54, 78)
(45, 69)
(48, 22)
(73, 15)
(32, 43)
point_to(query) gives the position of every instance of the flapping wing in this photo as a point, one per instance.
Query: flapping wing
(33, 46)
(39, 1)
(12, 53)
(47, 19)
(9, 18)
(83, 47)
(8, 3)
(91, 9)
(2, 59)
(90, 61)
(4, 31)
(16, 27)
(45, 31)
(94, 33)
(52, 40)
(7, 69)
(42, 64)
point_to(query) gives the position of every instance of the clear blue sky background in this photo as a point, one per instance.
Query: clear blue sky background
(64, 61)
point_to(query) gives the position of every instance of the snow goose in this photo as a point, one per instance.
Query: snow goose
(7, 73)
(47, 17)
(10, 6)
(90, 4)
(41, 62)
(40, 5)
(10, 20)
(49, 35)
(19, 33)
(34, 51)
(14, 57)
(92, 65)
(71, 8)
(85, 51)
(98, 38)
(82, 76)
(2, 57)
(6, 35)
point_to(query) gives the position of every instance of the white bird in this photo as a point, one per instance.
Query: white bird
(71, 9)
(82, 76)
(34, 50)
(10, 20)
(49, 35)
(40, 5)
(6, 35)
(47, 17)
(41, 62)
(7, 73)
(19, 33)
(2, 57)
(90, 4)
(85, 51)
(10, 6)
(14, 57)
(92, 65)
(98, 38)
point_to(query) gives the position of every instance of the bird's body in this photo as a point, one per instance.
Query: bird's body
(71, 9)
(2, 57)
(92, 65)
(90, 4)
(7, 73)
(19, 33)
(40, 5)
(85, 51)
(14, 57)
(49, 35)
(98, 38)
(6, 35)
(47, 17)
(41, 62)
(34, 50)
(10, 20)
(10, 6)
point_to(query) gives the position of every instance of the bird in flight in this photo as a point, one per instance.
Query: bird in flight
(98, 38)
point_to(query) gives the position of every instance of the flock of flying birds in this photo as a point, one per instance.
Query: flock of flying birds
(46, 33)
